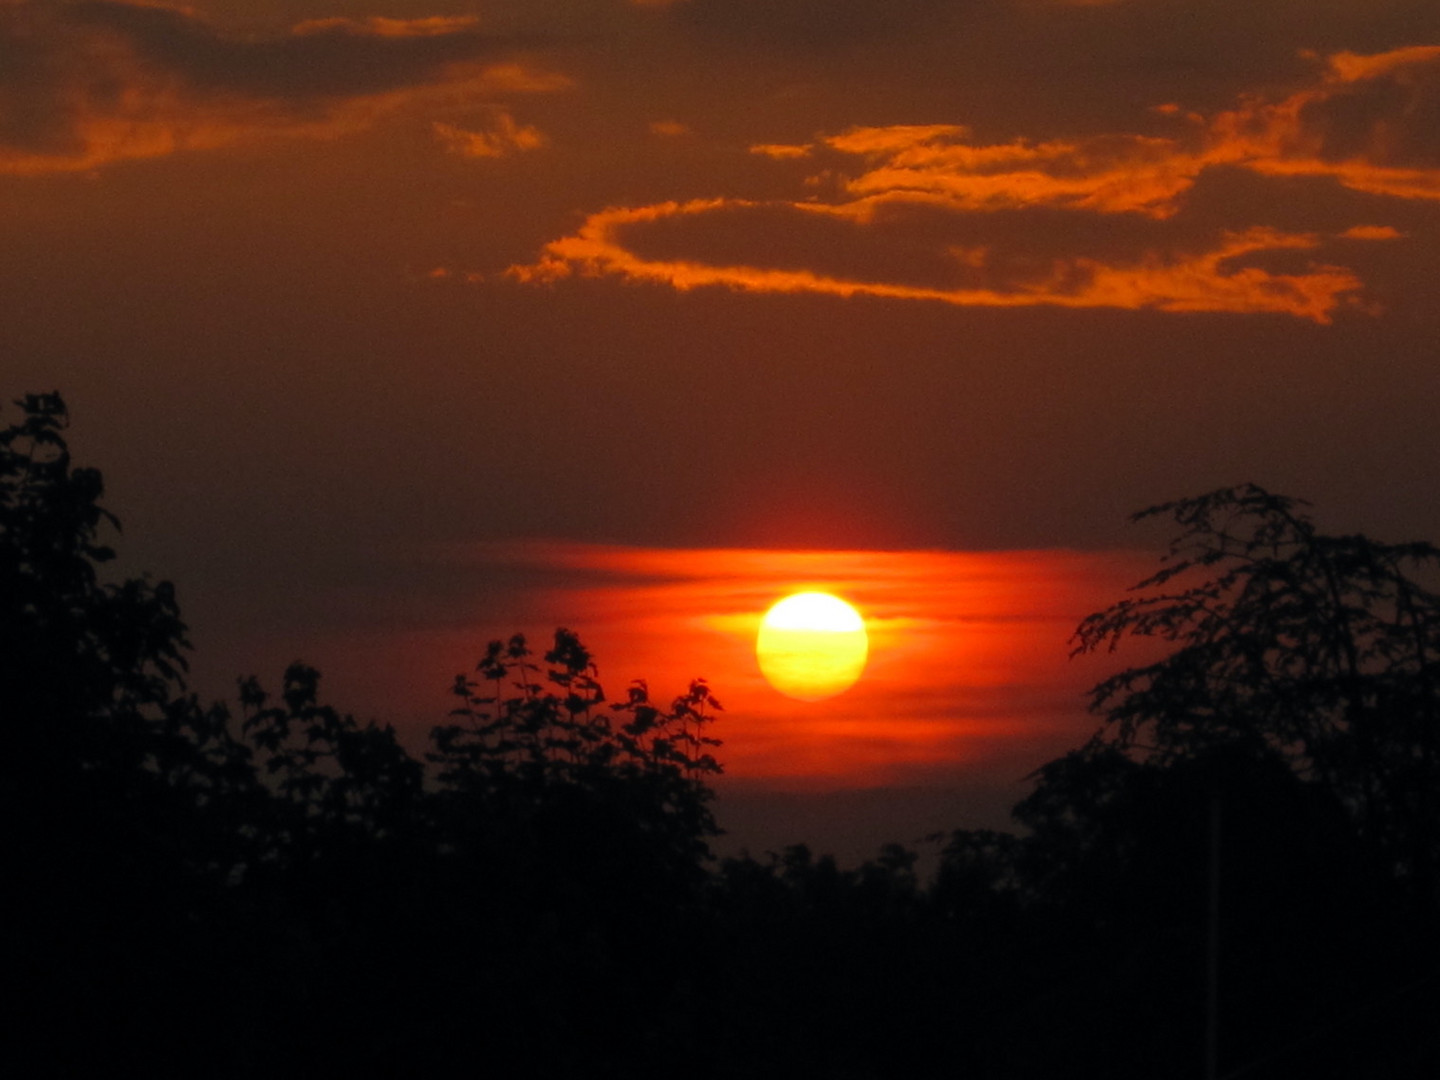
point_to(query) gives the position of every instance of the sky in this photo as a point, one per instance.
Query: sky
(399, 326)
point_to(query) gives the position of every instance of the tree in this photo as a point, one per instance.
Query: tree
(190, 886)
(546, 763)
(1271, 776)
(122, 796)
(106, 750)
(334, 783)
(99, 658)
(1321, 650)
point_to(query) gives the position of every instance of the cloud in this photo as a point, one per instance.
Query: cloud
(780, 151)
(381, 26)
(503, 138)
(86, 84)
(926, 212)
(1220, 277)
(803, 25)
(1372, 232)
(1372, 124)
(1106, 174)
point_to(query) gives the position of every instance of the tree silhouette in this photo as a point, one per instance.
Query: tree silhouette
(201, 891)
(1323, 650)
(544, 759)
(123, 797)
(333, 783)
(1258, 805)
(103, 659)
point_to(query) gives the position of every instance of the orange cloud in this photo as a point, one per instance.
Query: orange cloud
(1354, 67)
(380, 26)
(1213, 279)
(504, 137)
(780, 151)
(1372, 232)
(1370, 122)
(90, 84)
(1114, 174)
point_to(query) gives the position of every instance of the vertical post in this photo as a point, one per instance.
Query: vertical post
(1212, 948)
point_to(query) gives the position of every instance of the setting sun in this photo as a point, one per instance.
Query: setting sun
(812, 646)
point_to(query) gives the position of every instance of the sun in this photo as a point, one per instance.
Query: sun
(812, 646)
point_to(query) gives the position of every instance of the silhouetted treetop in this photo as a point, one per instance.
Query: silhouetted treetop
(73, 645)
(542, 750)
(1324, 650)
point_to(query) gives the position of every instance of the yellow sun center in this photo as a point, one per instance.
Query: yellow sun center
(812, 646)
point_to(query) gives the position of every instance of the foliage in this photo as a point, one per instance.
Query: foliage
(1272, 771)
(564, 734)
(121, 793)
(92, 680)
(1324, 650)
(977, 877)
(185, 873)
(106, 657)
(541, 779)
(334, 782)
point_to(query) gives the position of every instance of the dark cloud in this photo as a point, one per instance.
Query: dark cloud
(1370, 121)
(1390, 118)
(86, 83)
(334, 58)
(807, 24)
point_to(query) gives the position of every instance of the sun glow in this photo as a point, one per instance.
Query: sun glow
(951, 636)
(812, 646)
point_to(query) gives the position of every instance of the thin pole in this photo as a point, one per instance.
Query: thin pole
(1212, 949)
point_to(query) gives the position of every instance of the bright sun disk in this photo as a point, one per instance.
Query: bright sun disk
(812, 646)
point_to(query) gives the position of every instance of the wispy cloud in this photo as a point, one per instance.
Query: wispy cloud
(780, 151)
(1372, 123)
(1213, 278)
(1108, 174)
(500, 138)
(87, 84)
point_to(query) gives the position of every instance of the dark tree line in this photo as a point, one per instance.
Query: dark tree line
(278, 888)
(1243, 860)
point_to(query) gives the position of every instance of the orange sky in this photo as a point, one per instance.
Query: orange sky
(967, 650)
(338, 291)
(969, 685)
